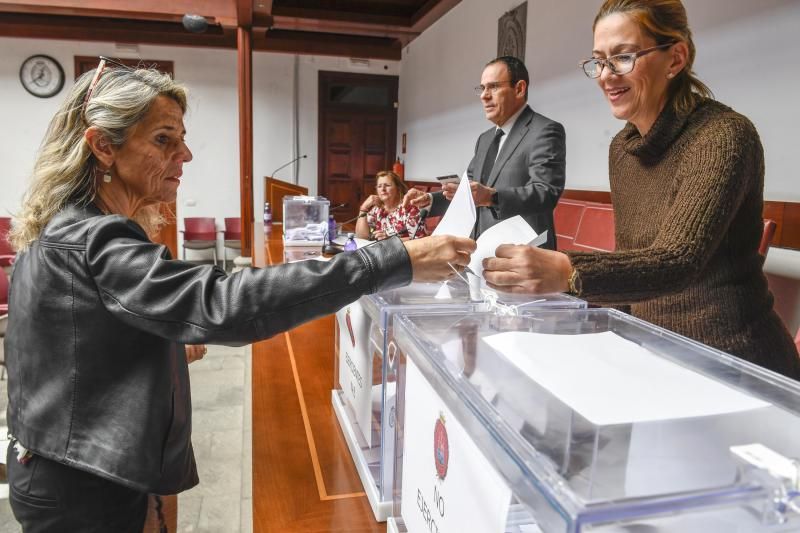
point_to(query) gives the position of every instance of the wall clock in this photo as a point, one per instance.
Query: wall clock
(41, 76)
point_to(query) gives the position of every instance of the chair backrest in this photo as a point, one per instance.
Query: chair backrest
(567, 218)
(233, 228)
(3, 292)
(5, 246)
(200, 229)
(766, 236)
(596, 229)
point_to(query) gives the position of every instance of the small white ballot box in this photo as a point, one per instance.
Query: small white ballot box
(365, 370)
(305, 220)
(574, 421)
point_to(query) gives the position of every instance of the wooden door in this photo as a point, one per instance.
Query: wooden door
(168, 235)
(357, 136)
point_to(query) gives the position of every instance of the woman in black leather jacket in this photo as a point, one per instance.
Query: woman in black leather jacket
(99, 405)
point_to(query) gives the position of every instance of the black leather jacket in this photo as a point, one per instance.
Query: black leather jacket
(97, 374)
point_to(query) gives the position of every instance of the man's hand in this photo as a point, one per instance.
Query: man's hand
(527, 269)
(432, 257)
(195, 352)
(449, 190)
(481, 194)
(416, 198)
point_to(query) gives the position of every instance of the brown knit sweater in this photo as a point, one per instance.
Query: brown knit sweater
(687, 203)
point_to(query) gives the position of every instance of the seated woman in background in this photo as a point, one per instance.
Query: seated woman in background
(687, 179)
(382, 215)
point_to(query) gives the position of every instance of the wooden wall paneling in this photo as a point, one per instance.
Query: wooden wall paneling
(603, 197)
(774, 211)
(790, 236)
(275, 190)
(112, 30)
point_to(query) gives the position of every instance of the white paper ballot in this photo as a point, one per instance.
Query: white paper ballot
(443, 293)
(514, 230)
(459, 219)
(611, 380)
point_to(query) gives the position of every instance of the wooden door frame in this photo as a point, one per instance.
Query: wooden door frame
(324, 79)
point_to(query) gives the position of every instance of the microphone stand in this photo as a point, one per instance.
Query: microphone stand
(423, 214)
(289, 163)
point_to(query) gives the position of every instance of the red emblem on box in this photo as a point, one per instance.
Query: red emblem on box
(441, 447)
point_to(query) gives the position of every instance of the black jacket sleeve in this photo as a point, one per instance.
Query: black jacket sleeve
(177, 300)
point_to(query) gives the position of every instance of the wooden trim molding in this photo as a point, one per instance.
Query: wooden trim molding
(245, 63)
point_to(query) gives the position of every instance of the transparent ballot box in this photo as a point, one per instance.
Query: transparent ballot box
(305, 220)
(572, 421)
(365, 368)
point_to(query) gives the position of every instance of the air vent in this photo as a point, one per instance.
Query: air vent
(126, 49)
(356, 62)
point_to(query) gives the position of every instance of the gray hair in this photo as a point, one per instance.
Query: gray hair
(65, 170)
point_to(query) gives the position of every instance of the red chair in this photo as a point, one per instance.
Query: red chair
(3, 319)
(200, 233)
(797, 340)
(232, 237)
(3, 292)
(596, 229)
(7, 253)
(567, 218)
(766, 236)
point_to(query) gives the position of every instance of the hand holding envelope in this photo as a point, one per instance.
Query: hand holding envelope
(509, 264)
(525, 269)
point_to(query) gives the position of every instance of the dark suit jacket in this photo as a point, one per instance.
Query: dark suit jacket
(528, 174)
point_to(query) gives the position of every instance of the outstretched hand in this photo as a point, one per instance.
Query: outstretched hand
(416, 198)
(434, 258)
(527, 269)
(195, 352)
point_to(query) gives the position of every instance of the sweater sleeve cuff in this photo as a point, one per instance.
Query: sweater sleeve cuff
(388, 264)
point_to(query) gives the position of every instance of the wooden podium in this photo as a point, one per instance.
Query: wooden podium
(275, 190)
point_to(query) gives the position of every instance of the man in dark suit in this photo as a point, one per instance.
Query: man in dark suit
(519, 164)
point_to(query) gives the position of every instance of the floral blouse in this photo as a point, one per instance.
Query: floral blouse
(403, 221)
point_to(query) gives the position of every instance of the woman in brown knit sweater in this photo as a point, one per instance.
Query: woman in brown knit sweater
(687, 177)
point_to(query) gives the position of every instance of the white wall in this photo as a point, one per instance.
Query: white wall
(211, 180)
(745, 54)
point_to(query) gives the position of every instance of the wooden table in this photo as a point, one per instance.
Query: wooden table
(304, 479)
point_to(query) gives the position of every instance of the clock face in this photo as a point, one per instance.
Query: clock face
(41, 76)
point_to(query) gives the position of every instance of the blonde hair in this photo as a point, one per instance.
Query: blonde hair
(666, 22)
(65, 169)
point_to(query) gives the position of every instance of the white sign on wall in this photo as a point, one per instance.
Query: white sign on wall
(448, 485)
(355, 365)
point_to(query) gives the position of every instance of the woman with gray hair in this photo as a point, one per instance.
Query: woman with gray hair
(99, 406)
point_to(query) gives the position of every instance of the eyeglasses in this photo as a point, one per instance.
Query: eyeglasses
(101, 66)
(619, 64)
(491, 87)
